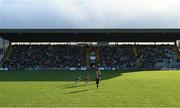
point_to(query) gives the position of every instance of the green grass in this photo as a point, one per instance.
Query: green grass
(126, 89)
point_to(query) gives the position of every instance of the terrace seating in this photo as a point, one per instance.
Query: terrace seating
(67, 56)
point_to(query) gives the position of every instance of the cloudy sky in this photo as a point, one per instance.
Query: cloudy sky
(89, 14)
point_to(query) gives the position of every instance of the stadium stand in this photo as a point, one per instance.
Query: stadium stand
(156, 56)
(98, 54)
(65, 57)
(116, 56)
(41, 57)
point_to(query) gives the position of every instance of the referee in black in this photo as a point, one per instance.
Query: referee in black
(97, 79)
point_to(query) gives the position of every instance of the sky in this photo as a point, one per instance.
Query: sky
(95, 14)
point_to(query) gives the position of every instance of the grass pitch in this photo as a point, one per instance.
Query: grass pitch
(117, 89)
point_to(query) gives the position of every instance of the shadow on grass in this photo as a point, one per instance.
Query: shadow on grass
(79, 91)
(55, 75)
(76, 85)
(65, 85)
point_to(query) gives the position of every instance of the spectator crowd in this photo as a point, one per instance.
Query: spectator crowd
(66, 56)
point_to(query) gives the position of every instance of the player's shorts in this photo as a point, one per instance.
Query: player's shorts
(97, 80)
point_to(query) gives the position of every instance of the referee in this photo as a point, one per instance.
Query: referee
(97, 79)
